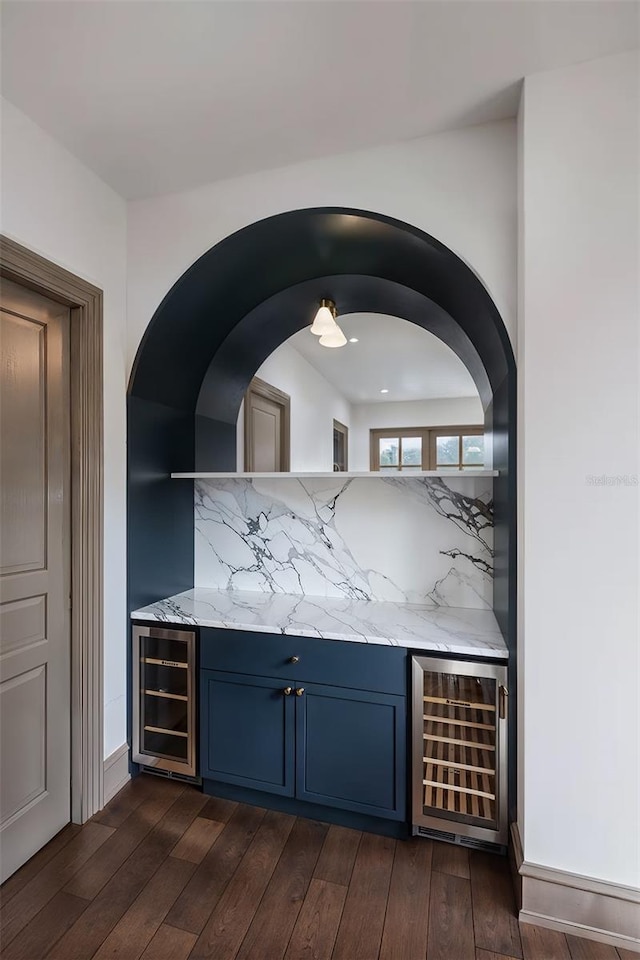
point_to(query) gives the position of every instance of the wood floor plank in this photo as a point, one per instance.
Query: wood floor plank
(626, 954)
(490, 955)
(52, 878)
(99, 869)
(115, 898)
(538, 943)
(131, 935)
(581, 949)
(404, 936)
(170, 943)
(135, 792)
(450, 919)
(21, 877)
(194, 906)
(316, 928)
(55, 918)
(495, 920)
(197, 840)
(451, 858)
(245, 896)
(226, 928)
(360, 930)
(275, 918)
(338, 855)
(217, 808)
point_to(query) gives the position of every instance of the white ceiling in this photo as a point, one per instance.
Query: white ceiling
(391, 353)
(162, 96)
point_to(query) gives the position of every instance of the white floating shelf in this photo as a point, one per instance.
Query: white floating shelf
(412, 475)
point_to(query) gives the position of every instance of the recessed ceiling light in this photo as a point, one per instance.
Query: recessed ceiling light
(353, 339)
(384, 390)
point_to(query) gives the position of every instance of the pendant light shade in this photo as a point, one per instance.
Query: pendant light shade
(335, 338)
(325, 326)
(324, 321)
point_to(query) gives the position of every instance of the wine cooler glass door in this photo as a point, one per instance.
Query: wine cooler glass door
(458, 742)
(164, 715)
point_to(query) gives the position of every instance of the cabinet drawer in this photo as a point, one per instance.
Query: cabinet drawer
(365, 666)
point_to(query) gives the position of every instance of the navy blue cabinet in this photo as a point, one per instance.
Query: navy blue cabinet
(247, 732)
(329, 744)
(350, 750)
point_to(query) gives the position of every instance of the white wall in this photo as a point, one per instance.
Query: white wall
(315, 404)
(458, 411)
(55, 206)
(578, 347)
(459, 186)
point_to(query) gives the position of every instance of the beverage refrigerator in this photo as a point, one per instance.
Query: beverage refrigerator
(164, 701)
(460, 752)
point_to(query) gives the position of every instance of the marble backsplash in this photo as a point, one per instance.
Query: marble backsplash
(420, 540)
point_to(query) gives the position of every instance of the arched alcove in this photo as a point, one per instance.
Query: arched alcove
(233, 307)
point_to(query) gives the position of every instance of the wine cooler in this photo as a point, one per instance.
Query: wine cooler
(164, 705)
(460, 752)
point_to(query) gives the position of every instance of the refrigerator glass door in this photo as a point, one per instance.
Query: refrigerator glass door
(459, 746)
(164, 709)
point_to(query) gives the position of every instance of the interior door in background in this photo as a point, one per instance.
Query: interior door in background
(340, 446)
(266, 428)
(35, 704)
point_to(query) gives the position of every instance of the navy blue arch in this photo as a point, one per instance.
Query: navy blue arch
(248, 271)
(235, 305)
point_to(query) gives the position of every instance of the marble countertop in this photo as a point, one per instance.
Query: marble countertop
(416, 626)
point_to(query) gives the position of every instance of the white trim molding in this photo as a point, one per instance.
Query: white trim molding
(577, 905)
(116, 772)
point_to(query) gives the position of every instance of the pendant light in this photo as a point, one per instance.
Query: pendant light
(335, 338)
(324, 321)
(325, 326)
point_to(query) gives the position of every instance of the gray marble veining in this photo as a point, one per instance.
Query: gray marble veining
(415, 626)
(403, 540)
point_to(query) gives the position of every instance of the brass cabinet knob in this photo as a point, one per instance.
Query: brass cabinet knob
(299, 691)
(287, 691)
(294, 659)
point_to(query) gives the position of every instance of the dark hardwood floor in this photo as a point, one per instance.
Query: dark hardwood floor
(166, 873)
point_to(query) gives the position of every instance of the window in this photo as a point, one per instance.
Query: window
(427, 448)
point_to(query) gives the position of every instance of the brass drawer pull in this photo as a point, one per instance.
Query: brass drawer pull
(294, 659)
(287, 691)
(299, 691)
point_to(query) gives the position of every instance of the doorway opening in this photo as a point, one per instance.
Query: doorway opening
(267, 428)
(340, 447)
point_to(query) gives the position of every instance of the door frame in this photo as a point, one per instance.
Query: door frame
(34, 272)
(260, 388)
(344, 430)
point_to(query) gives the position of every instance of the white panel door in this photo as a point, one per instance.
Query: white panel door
(35, 728)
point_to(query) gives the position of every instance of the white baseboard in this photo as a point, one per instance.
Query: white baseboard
(631, 944)
(116, 772)
(581, 906)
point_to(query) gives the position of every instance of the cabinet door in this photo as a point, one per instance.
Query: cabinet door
(247, 731)
(351, 750)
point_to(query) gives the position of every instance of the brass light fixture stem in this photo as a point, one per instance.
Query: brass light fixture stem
(330, 305)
